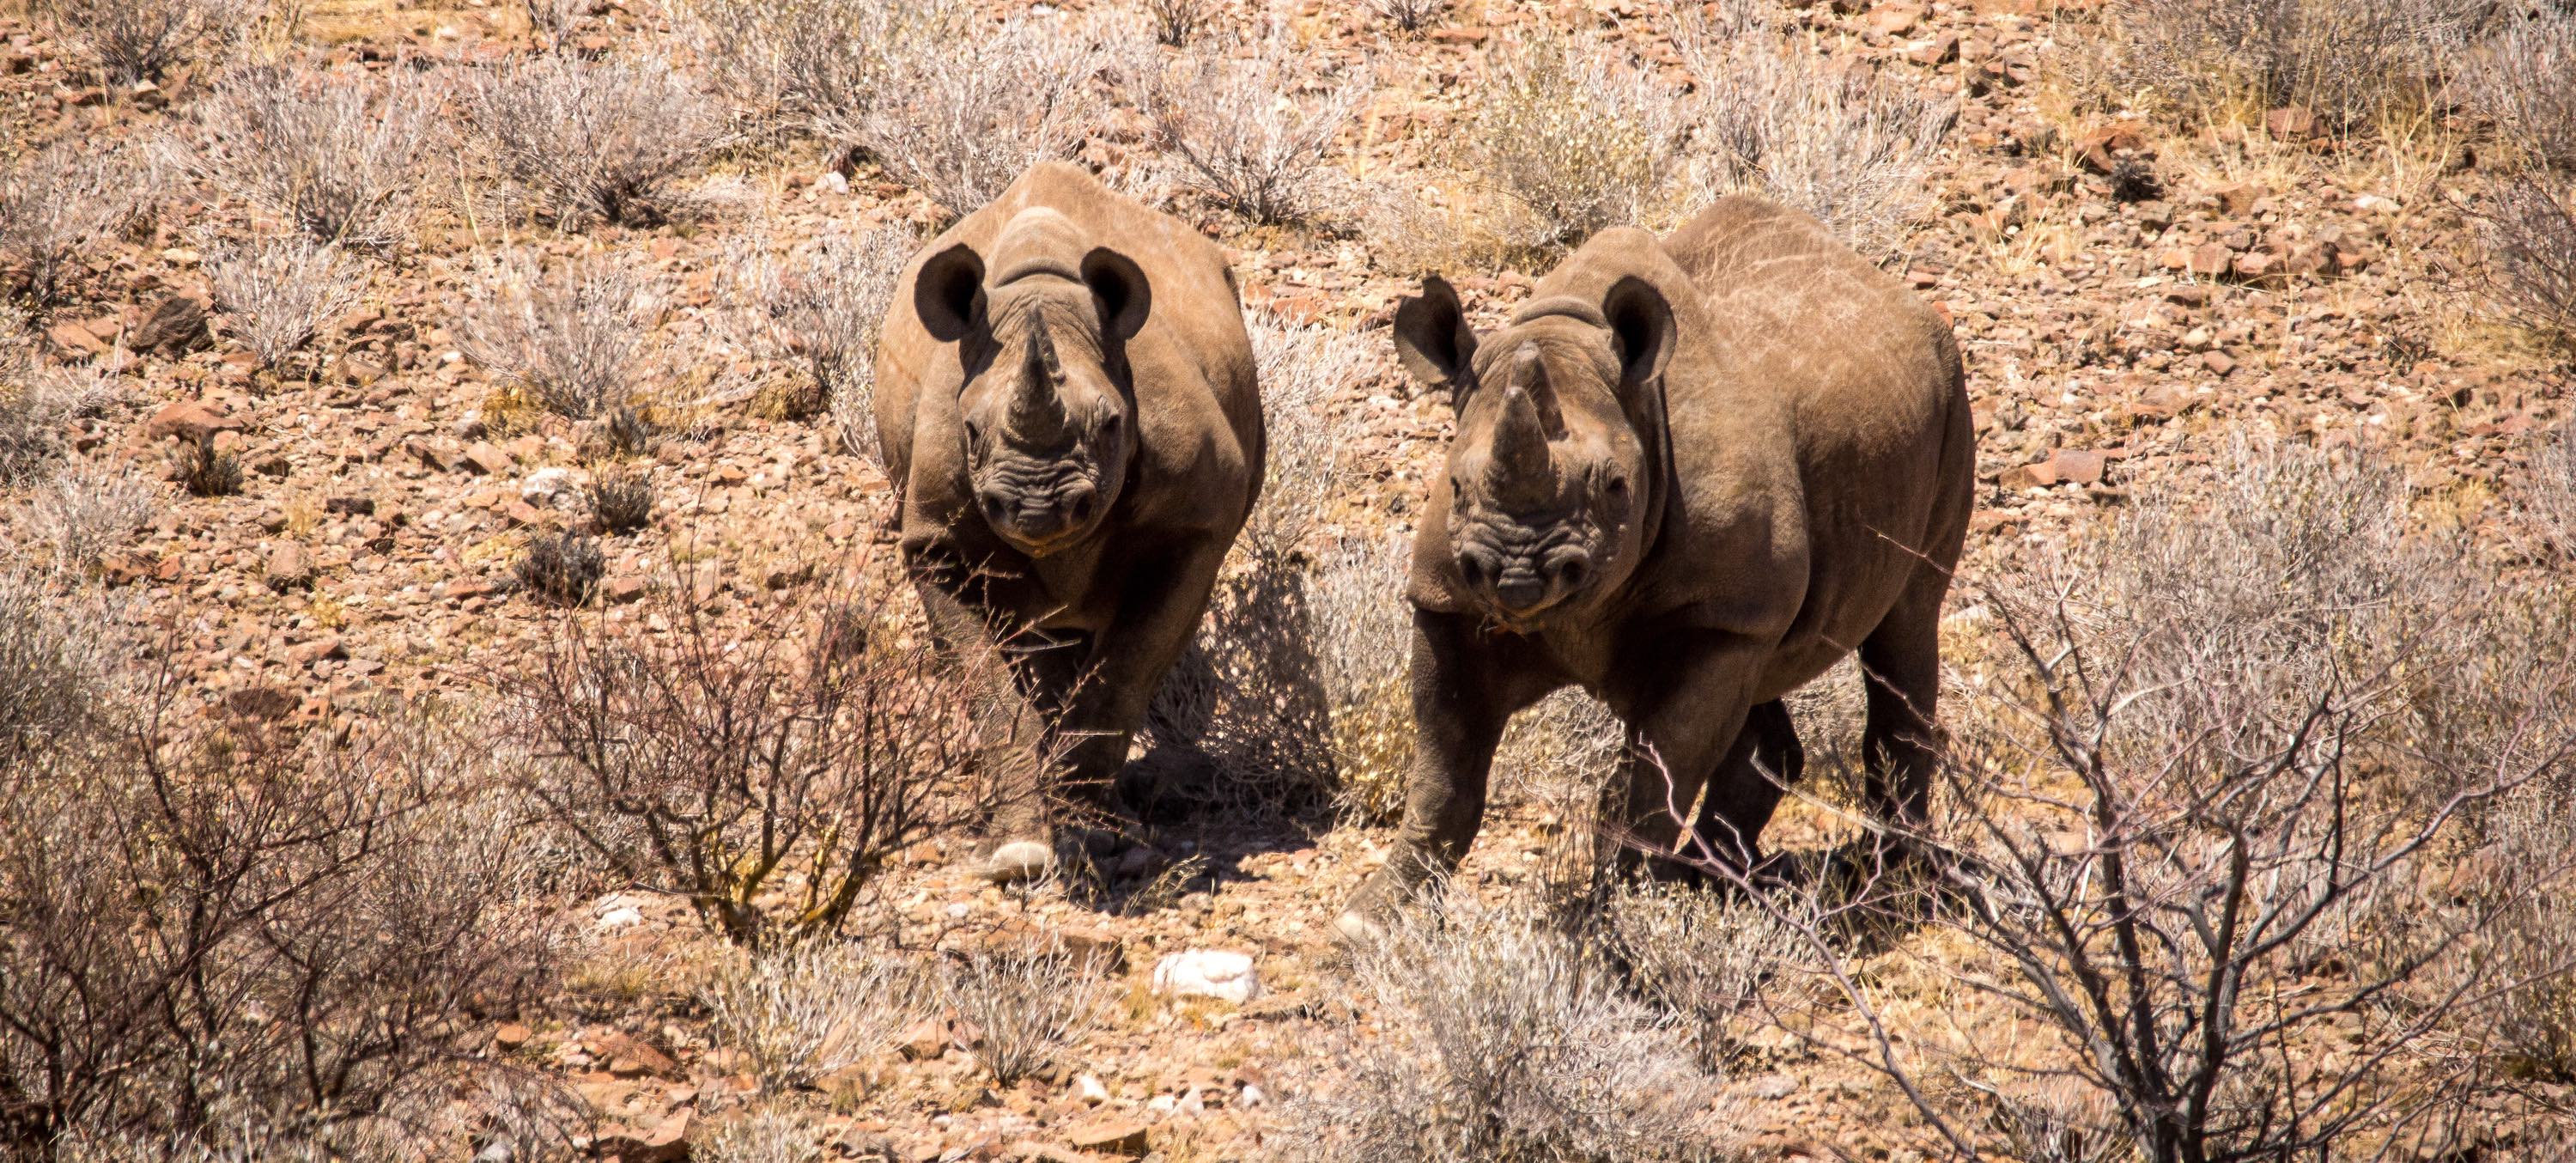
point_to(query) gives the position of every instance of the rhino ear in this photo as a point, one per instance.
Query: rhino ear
(1125, 298)
(1433, 340)
(946, 293)
(1642, 323)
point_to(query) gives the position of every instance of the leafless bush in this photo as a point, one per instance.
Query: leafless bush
(1364, 650)
(2532, 1021)
(822, 306)
(2528, 77)
(621, 499)
(1177, 22)
(817, 741)
(2228, 737)
(978, 111)
(53, 205)
(278, 294)
(337, 155)
(2347, 62)
(2531, 255)
(562, 568)
(801, 1012)
(2552, 496)
(212, 933)
(1703, 956)
(818, 65)
(59, 662)
(767, 1137)
(139, 40)
(1303, 368)
(1573, 137)
(86, 510)
(1028, 1004)
(208, 471)
(1842, 144)
(1248, 133)
(595, 141)
(555, 19)
(1408, 15)
(1510, 1041)
(577, 339)
(36, 403)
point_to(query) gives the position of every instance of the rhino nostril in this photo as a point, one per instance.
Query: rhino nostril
(1084, 505)
(1471, 568)
(1572, 572)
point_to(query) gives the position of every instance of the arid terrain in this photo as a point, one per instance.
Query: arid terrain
(459, 699)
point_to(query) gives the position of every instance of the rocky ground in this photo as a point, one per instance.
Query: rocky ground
(2129, 300)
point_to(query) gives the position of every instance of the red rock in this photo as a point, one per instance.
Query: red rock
(1894, 19)
(2291, 123)
(74, 338)
(174, 328)
(261, 702)
(288, 568)
(2254, 264)
(2211, 259)
(2218, 362)
(665, 1142)
(2079, 467)
(512, 1036)
(1112, 1136)
(629, 1057)
(484, 458)
(1939, 50)
(623, 588)
(189, 420)
(923, 1041)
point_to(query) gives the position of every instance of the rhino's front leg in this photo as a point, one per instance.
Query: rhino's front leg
(1013, 724)
(1682, 727)
(1463, 694)
(1159, 609)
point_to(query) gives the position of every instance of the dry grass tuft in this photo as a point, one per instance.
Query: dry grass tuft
(337, 155)
(2531, 255)
(1246, 132)
(1574, 138)
(561, 568)
(2527, 77)
(578, 339)
(53, 205)
(818, 66)
(802, 1012)
(140, 40)
(2355, 64)
(584, 141)
(1507, 1040)
(279, 294)
(822, 307)
(1027, 1005)
(979, 110)
(1840, 143)
(86, 509)
(1408, 16)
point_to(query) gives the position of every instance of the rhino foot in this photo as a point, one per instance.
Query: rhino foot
(1357, 927)
(1017, 861)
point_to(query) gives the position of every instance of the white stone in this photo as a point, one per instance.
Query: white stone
(1217, 973)
(554, 486)
(1087, 1088)
(1253, 1095)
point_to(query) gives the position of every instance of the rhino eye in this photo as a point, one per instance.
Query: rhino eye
(1110, 424)
(1455, 490)
(974, 433)
(1619, 486)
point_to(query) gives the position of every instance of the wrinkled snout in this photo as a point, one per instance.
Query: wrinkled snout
(1517, 585)
(1040, 520)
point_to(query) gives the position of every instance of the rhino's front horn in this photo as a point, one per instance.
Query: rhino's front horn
(1036, 409)
(1520, 460)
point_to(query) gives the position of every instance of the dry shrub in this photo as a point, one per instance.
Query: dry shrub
(1408, 15)
(1705, 957)
(207, 471)
(58, 660)
(1311, 461)
(1026, 1005)
(278, 294)
(1177, 22)
(86, 509)
(1573, 137)
(562, 568)
(822, 307)
(139, 40)
(2531, 1024)
(767, 1137)
(978, 110)
(2551, 499)
(620, 499)
(2527, 76)
(36, 403)
(1247, 132)
(1506, 1040)
(338, 155)
(1841, 143)
(224, 938)
(587, 141)
(789, 758)
(1364, 653)
(802, 1012)
(54, 204)
(2194, 821)
(2350, 62)
(1560, 755)
(817, 65)
(2531, 255)
(578, 340)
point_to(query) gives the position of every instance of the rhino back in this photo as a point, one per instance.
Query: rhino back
(1197, 408)
(1833, 398)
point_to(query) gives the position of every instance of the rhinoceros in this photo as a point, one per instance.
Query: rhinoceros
(1066, 405)
(1689, 475)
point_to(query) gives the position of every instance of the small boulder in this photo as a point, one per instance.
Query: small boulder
(1221, 974)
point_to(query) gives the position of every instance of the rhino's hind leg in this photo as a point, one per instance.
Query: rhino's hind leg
(1747, 786)
(1900, 666)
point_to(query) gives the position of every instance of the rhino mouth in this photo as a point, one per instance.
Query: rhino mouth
(1518, 585)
